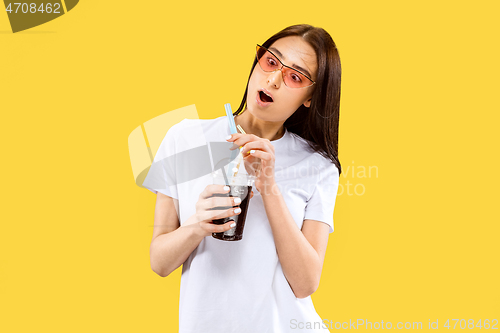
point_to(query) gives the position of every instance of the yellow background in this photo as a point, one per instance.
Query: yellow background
(419, 103)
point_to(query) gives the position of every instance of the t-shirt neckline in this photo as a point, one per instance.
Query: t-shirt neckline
(282, 139)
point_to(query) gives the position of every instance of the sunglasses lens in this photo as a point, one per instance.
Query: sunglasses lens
(269, 63)
(294, 79)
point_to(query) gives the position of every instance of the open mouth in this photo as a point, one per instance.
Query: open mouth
(265, 98)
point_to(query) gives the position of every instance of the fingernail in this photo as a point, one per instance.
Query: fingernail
(251, 151)
(228, 137)
(226, 188)
(237, 200)
(232, 225)
(237, 210)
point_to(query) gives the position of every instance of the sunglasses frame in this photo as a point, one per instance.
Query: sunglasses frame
(280, 69)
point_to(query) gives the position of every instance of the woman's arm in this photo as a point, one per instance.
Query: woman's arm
(301, 253)
(172, 244)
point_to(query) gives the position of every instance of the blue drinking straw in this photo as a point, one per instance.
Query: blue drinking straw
(230, 118)
(232, 129)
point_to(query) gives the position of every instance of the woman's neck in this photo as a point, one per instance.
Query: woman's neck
(263, 129)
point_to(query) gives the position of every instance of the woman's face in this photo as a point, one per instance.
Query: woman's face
(294, 52)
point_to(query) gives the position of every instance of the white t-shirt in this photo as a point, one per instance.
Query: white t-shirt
(239, 286)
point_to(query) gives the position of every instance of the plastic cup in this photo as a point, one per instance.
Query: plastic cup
(241, 187)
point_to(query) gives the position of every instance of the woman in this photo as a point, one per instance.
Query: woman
(290, 112)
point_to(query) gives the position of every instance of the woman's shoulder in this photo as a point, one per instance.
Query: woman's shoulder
(190, 133)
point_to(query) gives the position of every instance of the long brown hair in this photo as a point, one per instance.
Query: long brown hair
(318, 124)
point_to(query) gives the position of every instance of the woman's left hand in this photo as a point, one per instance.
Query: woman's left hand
(259, 162)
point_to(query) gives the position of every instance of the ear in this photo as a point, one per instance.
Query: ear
(308, 103)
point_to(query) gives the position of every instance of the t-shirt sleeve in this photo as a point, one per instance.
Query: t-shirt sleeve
(320, 205)
(162, 173)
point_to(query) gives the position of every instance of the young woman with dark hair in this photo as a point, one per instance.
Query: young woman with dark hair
(262, 283)
(319, 123)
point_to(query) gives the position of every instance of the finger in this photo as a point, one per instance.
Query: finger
(243, 139)
(234, 136)
(257, 145)
(221, 227)
(251, 195)
(214, 189)
(220, 202)
(248, 158)
(262, 155)
(210, 215)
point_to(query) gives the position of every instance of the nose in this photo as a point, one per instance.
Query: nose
(274, 78)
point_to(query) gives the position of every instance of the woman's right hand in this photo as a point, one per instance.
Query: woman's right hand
(205, 215)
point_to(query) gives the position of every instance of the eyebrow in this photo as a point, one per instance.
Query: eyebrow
(275, 50)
